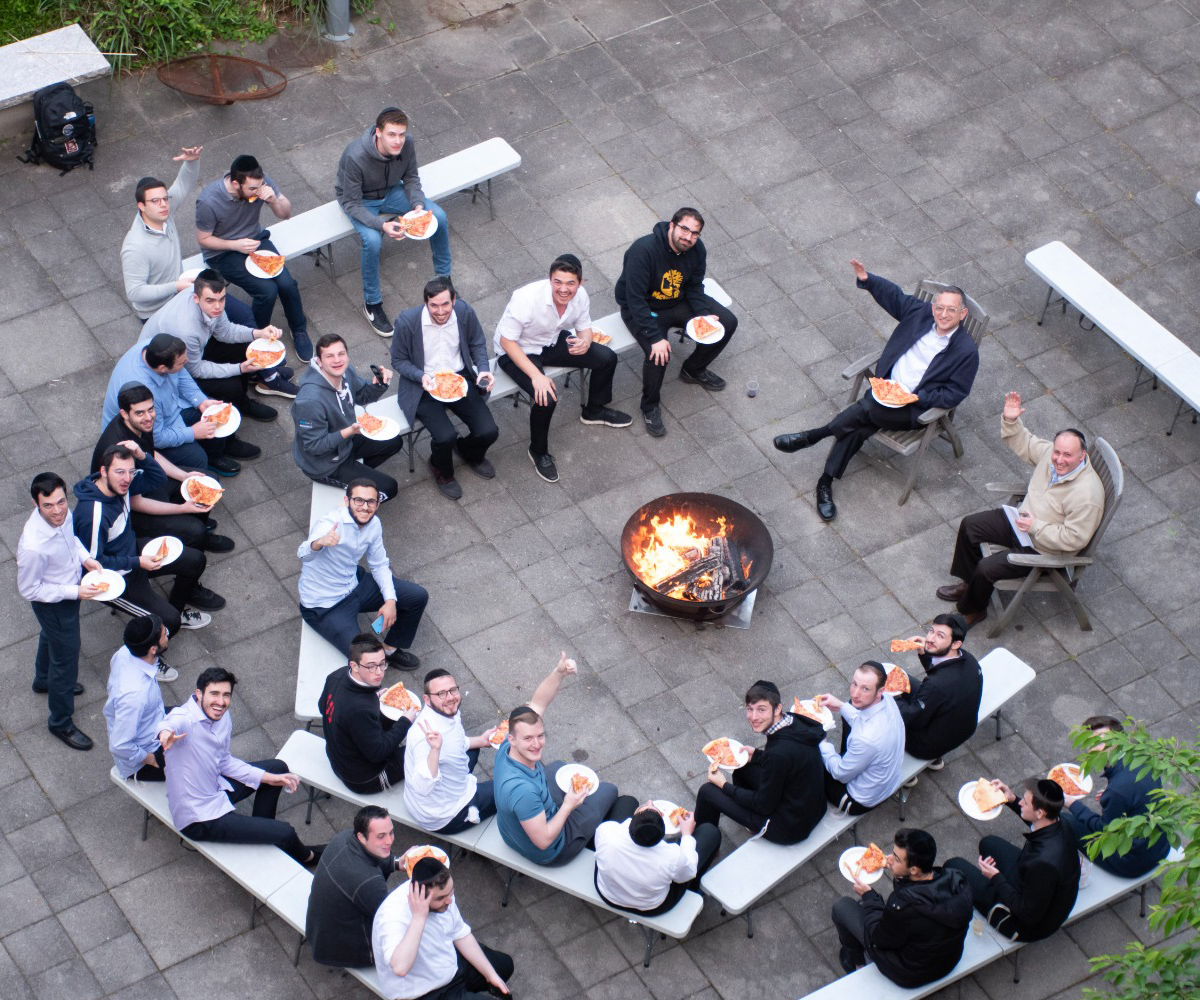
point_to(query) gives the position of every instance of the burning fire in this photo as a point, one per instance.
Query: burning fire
(665, 549)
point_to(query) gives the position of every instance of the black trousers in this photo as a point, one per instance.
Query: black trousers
(373, 455)
(708, 839)
(56, 663)
(140, 598)
(468, 983)
(980, 574)
(473, 411)
(702, 355)
(148, 772)
(857, 422)
(983, 891)
(599, 360)
(712, 803)
(850, 927)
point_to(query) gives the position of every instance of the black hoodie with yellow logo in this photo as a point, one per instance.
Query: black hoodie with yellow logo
(655, 277)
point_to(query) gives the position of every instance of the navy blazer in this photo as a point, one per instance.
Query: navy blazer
(408, 353)
(951, 374)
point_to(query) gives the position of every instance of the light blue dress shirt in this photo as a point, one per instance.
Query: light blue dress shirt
(172, 395)
(872, 765)
(134, 711)
(329, 574)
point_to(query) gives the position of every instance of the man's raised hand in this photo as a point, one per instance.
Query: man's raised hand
(1012, 406)
(330, 538)
(418, 899)
(565, 665)
(860, 272)
(432, 736)
(188, 153)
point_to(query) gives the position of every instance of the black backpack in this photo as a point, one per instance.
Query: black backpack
(64, 129)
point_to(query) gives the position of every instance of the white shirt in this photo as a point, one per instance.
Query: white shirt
(437, 958)
(49, 561)
(441, 343)
(914, 362)
(640, 877)
(432, 801)
(531, 318)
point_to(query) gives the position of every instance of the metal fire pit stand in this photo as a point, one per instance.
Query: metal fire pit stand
(739, 617)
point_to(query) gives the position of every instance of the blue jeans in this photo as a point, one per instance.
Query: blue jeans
(56, 666)
(396, 203)
(339, 623)
(264, 291)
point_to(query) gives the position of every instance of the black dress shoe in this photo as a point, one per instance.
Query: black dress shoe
(825, 505)
(792, 442)
(73, 737)
(78, 690)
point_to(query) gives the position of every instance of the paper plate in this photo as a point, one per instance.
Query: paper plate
(452, 399)
(257, 271)
(1084, 781)
(230, 425)
(890, 668)
(421, 850)
(396, 714)
(967, 804)
(115, 581)
(568, 771)
(849, 859)
(433, 226)
(712, 338)
(389, 430)
(739, 751)
(666, 807)
(191, 274)
(174, 548)
(826, 715)
(185, 487)
(267, 344)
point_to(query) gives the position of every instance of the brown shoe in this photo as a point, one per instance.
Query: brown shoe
(973, 618)
(952, 592)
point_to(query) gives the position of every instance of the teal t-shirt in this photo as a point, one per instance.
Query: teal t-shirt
(521, 793)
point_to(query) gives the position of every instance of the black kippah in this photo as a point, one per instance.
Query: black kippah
(646, 828)
(141, 633)
(769, 686)
(243, 164)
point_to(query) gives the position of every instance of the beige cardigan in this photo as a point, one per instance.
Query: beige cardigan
(1065, 515)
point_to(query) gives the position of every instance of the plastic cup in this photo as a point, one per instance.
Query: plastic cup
(751, 388)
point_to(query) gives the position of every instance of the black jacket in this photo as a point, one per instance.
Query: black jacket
(785, 781)
(942, 710)
(359, 739)
(1126, 795)
(347, 888)
(1047, 882)
(917, 936)
(655, 277)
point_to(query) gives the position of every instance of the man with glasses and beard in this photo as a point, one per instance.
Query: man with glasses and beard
(362, 744)
(335, 590)
(440, 791)
(661, 287)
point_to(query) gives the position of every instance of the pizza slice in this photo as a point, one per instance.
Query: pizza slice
(417, 225)
(219, 415)
(703, 327)
(102, 586)
(987, 796)
(270, 263)
(201, 493)
(810, 709)
(677, 815)
(897, 681)
(263, 358)
(449, 386)
(416, 854)
(370, 424)
(720, 752)
(893, 393)
(603, 339)
(873, 860)
(500, 734)
(1067, 776)
(398, 697)
(580, 782)
(907, 646)
(164, 550)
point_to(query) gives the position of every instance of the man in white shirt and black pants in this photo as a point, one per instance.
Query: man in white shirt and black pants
(535, 332)
(423, 948)
(930, 353)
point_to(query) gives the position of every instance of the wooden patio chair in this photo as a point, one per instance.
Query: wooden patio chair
(1060, 573)
(937, 422)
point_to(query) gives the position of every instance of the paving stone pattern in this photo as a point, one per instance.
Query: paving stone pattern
(941, 138)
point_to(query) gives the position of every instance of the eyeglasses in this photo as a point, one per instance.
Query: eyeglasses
(443, 694)
(361, 502)
(947, 309)
(155, 201)
(381, 665)
(690, 232)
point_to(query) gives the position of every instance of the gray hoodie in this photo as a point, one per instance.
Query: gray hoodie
(321, 413)
(364, 172)
(151, 261)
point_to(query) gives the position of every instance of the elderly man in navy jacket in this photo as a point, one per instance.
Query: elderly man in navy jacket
(930, 353)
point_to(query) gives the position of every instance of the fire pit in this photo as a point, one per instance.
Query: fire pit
(696, 555)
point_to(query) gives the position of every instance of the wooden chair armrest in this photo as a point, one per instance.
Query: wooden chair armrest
(1013, 489)
(862, 365)
(1046, 562)
(934, 413)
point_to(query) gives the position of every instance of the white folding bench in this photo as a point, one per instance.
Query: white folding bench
(315, 231)
(755, 868)
(1155, 349)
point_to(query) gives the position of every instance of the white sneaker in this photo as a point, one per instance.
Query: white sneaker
(166, 673)
(192, 619)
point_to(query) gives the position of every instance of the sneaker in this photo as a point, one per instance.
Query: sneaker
(544, 466)
(654, 423)
(205, 599)
(218, 543)
(235, 447)
(912, 782)
(193, 619)
(936, 764)
(606, 416)
(378, 319)
(483, 469)
(709, 380)
(403, 659)
(224, 466)
(281, 385)
(304, 348)
(447, 485)
(255, 410)
(167, 673)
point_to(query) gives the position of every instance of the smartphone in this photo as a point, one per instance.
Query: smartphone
(377, 625)
(377, 373)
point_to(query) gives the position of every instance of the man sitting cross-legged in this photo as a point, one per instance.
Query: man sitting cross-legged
(1061, 511)
(348, 887)
(536, 818)
(424, 950)
(930, 353)
(335, 590)
(439, 789)
(917, 935)
(364, 747)
(205, 780)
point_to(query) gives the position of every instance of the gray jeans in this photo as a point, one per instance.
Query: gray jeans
(581, 824)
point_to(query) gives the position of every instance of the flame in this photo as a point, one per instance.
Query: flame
(669, 545)
(746, 564)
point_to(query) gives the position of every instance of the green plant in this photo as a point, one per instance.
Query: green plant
(1166, 972)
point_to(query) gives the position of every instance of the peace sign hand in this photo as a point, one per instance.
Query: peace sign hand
(432, 736)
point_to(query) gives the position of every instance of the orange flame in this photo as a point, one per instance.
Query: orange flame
(667, 546)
